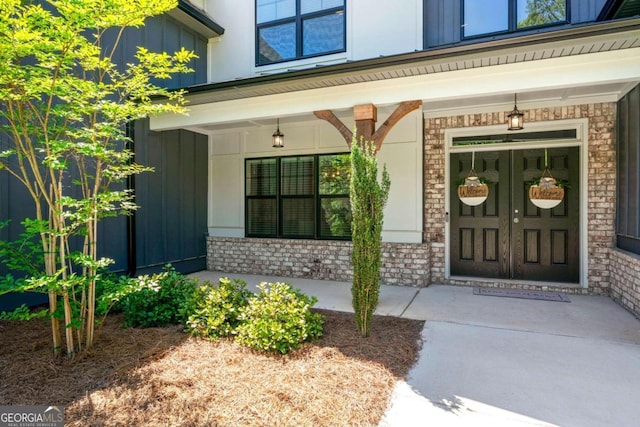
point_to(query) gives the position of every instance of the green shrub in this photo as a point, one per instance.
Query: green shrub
(368, 197)
(23, 313)
(111, 290)
(158, 300)
(214, 312)
(278, 319)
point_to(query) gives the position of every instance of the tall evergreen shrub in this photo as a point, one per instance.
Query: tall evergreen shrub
(368, 198)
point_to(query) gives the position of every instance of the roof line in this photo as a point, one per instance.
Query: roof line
(609, 9)
(422, 55)
(200, 16)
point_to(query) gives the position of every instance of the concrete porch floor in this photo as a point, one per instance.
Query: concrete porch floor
(503, 361)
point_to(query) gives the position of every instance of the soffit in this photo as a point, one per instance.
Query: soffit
(609, 36)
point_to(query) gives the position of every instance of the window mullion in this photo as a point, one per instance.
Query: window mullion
(316, 194)
(299, 28)
(278, 197)
(513, 15)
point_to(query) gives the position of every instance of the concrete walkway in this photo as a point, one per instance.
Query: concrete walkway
(503, 361)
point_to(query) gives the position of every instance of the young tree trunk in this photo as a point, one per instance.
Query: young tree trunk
(91, 293)
(55, 324)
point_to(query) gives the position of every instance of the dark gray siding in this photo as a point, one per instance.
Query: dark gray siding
(443, 20)
(164, 34)
(171, 223)
(15, 204)
(628, 163)
(585, 10)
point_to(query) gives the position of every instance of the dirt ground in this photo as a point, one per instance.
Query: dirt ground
(163, 377)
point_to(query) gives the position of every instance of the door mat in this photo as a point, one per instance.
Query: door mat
(522, 293)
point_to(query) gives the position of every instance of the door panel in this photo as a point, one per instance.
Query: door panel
(550, 251)
(508, 237)
(478, 233)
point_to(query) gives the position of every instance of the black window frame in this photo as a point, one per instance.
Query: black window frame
(281, 198)
(298, 19)
(512, 24)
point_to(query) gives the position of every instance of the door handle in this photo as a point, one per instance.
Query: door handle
(516, 220)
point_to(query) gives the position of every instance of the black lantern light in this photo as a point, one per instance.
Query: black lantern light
(278, 137)
(516, 118)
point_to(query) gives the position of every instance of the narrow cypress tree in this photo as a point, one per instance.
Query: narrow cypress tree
(368, 198)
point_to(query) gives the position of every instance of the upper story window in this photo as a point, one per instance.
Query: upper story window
(294, 29)
(496, 16)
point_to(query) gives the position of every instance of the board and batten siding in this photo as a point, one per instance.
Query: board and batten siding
(165, 34)
(171, 223)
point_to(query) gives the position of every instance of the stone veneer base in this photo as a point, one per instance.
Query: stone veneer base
(402, 263)
(625, 280)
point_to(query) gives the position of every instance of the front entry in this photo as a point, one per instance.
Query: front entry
(508, 237)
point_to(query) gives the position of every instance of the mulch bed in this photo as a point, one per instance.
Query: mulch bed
(161, 376)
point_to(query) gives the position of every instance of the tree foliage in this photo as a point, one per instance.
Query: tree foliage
(335, 178)
(64, 106)
(368, 198)
(540, 12)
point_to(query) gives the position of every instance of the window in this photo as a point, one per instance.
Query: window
(494, 16)
(294, 29)
(298, 197)
(628, 174)
(507, 137)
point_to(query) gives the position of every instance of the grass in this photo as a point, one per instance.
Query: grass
(162, 377)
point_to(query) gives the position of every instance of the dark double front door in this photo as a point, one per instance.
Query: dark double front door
(508, 237)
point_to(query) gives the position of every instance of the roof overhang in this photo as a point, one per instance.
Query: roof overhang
(578, 62)
(616, 9)
(196, 19)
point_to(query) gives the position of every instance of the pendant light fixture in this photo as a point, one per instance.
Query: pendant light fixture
(278, 137)
(515, 118)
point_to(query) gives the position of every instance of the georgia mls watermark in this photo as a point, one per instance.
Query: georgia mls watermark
(31, 416)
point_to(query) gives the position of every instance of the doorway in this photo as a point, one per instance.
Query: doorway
(507, 236)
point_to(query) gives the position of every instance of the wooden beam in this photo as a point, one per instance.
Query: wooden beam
(401, 110)
(335, 121)
(365, 116)
(365, 112)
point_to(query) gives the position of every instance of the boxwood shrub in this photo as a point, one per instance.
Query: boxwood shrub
(278, 319)
(214, 312)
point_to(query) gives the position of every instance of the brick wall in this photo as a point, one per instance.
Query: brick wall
(402, 263)
(625, 280)
(601, 182)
